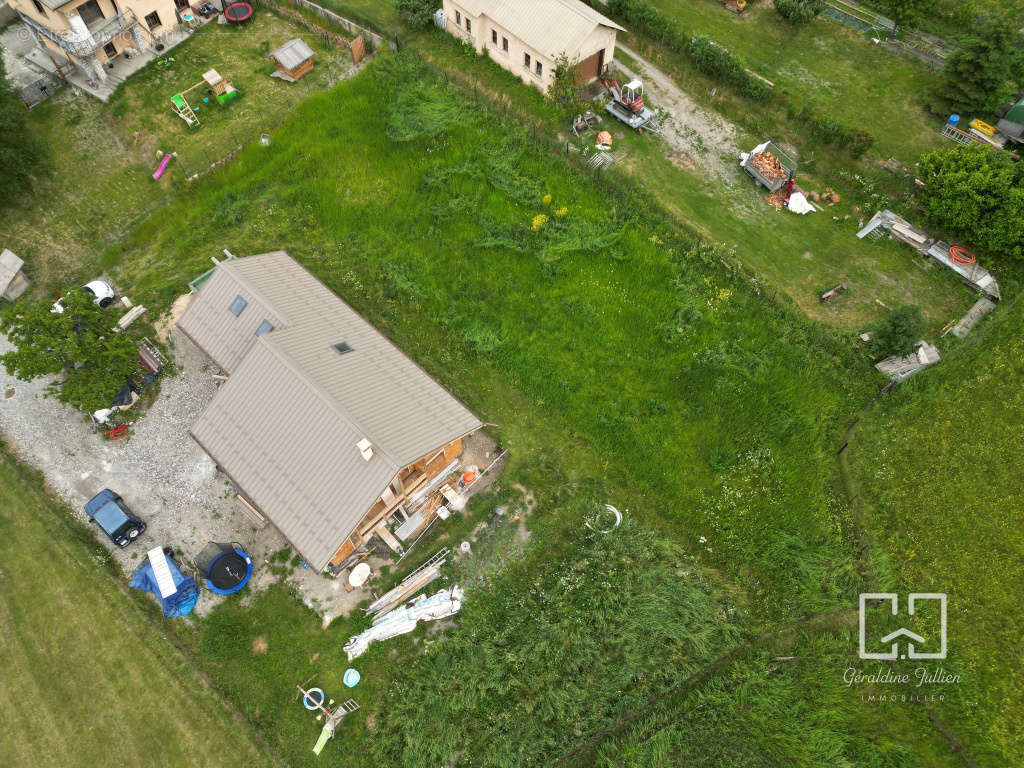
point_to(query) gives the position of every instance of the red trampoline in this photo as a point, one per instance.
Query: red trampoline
(238, 12)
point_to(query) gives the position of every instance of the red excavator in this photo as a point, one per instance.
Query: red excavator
(627, 104)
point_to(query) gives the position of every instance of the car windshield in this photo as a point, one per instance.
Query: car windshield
(110, 517)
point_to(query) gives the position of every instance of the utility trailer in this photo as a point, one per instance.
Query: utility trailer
(769, 165)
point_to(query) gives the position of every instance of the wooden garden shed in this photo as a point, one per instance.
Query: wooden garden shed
(293, 59)
(12, 280)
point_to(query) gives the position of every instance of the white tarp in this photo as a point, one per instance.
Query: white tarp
(800, 204)
(404, 619)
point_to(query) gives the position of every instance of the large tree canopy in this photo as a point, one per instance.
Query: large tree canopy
(78, 346)
(976, 193)
(20, 151)
(987, 67)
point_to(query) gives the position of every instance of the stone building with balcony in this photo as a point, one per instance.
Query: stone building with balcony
(99, 37)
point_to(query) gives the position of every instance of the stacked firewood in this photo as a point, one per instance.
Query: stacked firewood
(768, 166)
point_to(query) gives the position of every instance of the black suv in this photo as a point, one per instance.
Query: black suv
(110, 513)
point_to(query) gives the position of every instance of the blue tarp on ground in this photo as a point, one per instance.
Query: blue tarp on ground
(181, 602)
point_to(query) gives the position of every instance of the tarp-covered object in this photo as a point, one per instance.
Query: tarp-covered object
(179, 603)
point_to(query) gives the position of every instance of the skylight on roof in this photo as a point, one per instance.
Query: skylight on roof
(342, 347)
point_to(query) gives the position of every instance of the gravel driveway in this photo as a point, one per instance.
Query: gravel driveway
(699, 137)
(160, 471)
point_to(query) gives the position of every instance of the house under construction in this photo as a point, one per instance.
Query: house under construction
(325, 426)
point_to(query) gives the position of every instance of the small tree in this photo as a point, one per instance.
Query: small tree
(567, 90)
(799, 11)
(987, 67)
(418, 13)
(91, 361)
(899, 332)
(21, 153)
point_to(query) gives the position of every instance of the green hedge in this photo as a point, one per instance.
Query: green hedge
(831, 132)
(711, 59)
(706, 55)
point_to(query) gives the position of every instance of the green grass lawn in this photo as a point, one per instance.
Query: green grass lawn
(939, 472)
(90, 678)
(103, 155)
(142, 107)
(835, 70)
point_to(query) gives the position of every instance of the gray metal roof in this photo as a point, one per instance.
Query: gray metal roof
(292, 53)
(552, 27)
(286, 424)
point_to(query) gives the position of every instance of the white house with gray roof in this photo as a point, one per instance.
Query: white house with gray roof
(527, 37)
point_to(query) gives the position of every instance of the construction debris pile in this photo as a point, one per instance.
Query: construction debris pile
(769, 166)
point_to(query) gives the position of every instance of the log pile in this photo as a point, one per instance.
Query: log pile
(768, 166)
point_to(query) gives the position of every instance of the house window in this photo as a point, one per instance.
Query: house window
(265, 327)
(39, 7)
(504, 44)
(237, 306)
(540, 69)
(526, 60)
(342, 347)
(469, 25)
(153, 20)
(494, 36)
(458, 18)
(90, 12)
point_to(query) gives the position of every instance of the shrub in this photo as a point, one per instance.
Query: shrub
(418, 13)
(799, 11)
(830, 131)
(899, 332)
(21, 152)
(978, 194)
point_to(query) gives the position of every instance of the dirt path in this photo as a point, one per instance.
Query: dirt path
(699, 139)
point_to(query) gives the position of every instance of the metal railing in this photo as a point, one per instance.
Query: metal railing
(99, 35)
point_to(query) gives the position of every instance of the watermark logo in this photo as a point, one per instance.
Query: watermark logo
(914, 641)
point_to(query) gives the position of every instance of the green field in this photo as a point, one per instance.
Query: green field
(621, 359)
(90, 678)
(628, 333)
(838, 72)
(798, 256)
(940, 482)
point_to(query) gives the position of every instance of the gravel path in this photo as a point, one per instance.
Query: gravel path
(699, 138)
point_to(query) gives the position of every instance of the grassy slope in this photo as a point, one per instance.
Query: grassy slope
(90, 680)
(726, 432)
(579, 334)
(839, 72)
(762, 711)
(103, 155)
(938, 464)
(801, 256)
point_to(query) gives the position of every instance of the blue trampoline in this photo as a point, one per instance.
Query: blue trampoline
(176, 592)
(226, 567)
